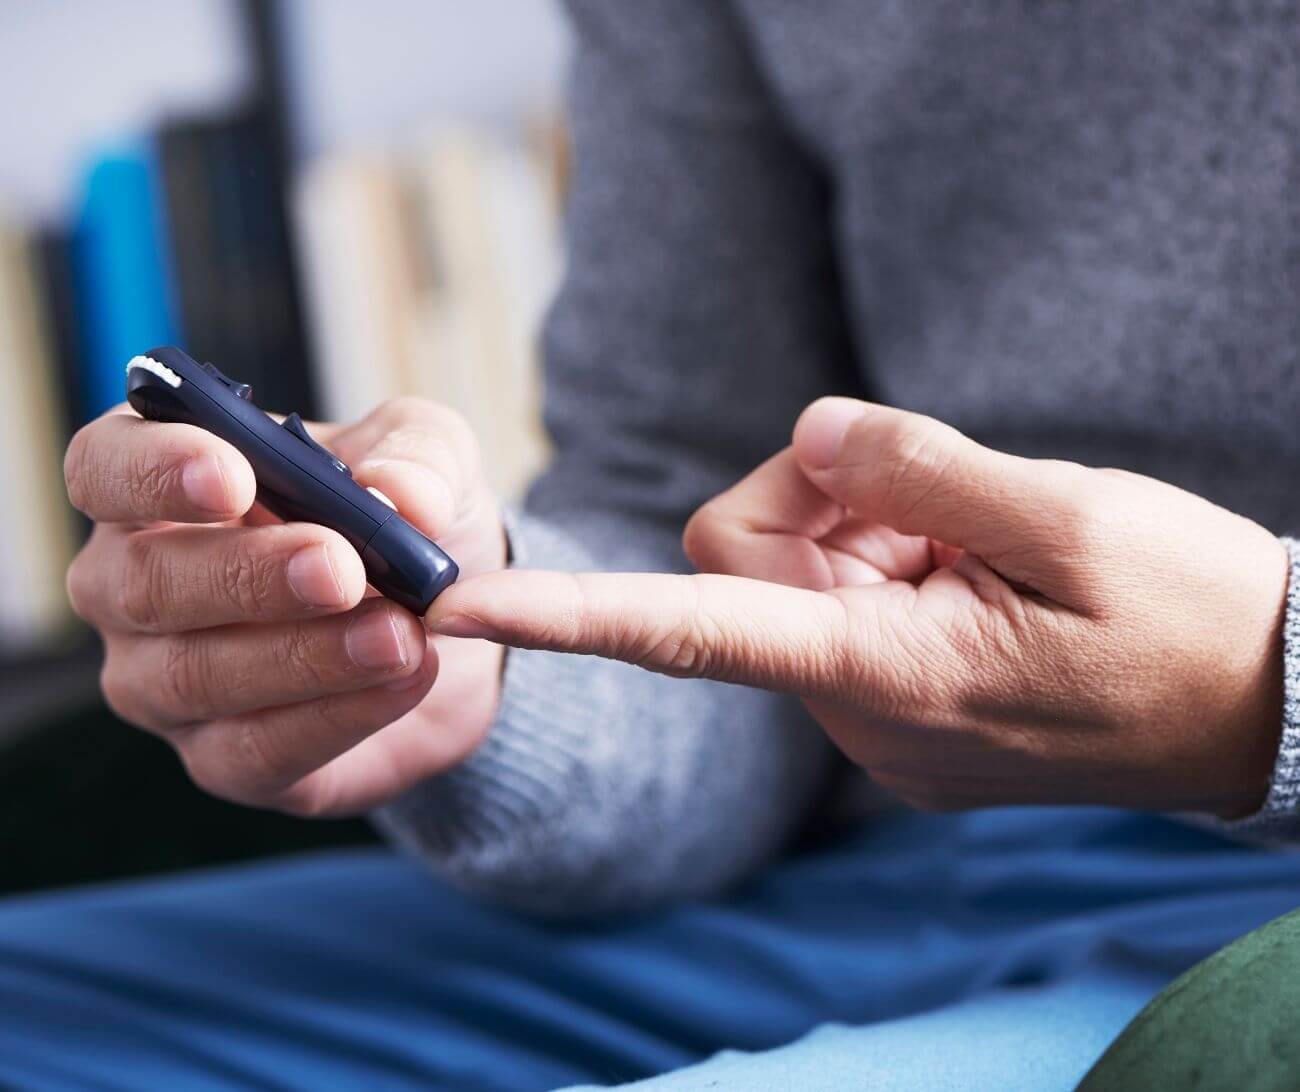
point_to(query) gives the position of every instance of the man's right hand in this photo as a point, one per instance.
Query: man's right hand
(250, 645)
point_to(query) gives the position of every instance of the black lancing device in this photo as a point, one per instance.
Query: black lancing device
(297, 478)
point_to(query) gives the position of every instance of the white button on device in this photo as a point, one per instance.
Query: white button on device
(379, 496)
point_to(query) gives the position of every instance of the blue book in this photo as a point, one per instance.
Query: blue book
(124, 295)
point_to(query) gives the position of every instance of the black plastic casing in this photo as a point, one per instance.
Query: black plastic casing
(297, 479)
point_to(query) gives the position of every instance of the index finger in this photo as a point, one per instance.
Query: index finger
(721, 627)
(121, 468)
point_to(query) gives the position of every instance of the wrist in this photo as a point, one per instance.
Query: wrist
(1272, 717)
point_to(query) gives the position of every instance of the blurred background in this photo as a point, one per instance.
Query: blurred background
(334, 201)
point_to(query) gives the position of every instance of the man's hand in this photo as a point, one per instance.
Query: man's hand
(248, 644)
(971, 627)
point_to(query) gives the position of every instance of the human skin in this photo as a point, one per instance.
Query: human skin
(971, 627)
(250, 645)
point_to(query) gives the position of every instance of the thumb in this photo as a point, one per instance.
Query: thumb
(719, 627)
(922, 477)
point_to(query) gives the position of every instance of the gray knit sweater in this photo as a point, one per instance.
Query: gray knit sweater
(1069, 229)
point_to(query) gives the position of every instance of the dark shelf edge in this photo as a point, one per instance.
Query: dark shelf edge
(40, 686)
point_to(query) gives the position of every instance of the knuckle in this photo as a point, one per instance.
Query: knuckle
(207, 774)
(190, 679)
(81, 584)
(915, 455)
(855, 673)
(77, 471)
(687, 648)
(264, 765)
(680, 653)
(418, 424)
(337, 715)
(247, 577)
(244, 760)
(119, 690)
(145, 592)
(842, 666)
(298, 653)
(153, 479)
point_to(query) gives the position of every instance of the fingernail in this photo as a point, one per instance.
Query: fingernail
(312, 577)
(204, 483)
(821, 430)
(375, 643)
(458, 625)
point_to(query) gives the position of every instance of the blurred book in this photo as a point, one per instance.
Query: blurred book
(123, 283)
(357, 247)
(230, 249)
(39, 533)
(427, 273)
(57, 287)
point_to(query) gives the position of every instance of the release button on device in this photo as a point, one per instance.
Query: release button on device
(293, 424)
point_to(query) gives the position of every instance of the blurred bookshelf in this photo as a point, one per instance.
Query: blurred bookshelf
(47, 683)
(329, 265)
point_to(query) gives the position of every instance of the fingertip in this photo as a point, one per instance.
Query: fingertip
(819, 433)
(327, 573)
(468, 608)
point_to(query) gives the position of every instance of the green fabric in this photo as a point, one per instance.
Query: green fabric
(1228, 1023)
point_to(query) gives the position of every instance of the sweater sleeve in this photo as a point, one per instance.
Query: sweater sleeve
(1278, 821)
(700, 312)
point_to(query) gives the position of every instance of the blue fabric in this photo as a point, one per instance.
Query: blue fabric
(997, 949)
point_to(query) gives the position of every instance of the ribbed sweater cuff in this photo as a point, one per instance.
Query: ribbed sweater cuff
(529, 762)
(1279, 818)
